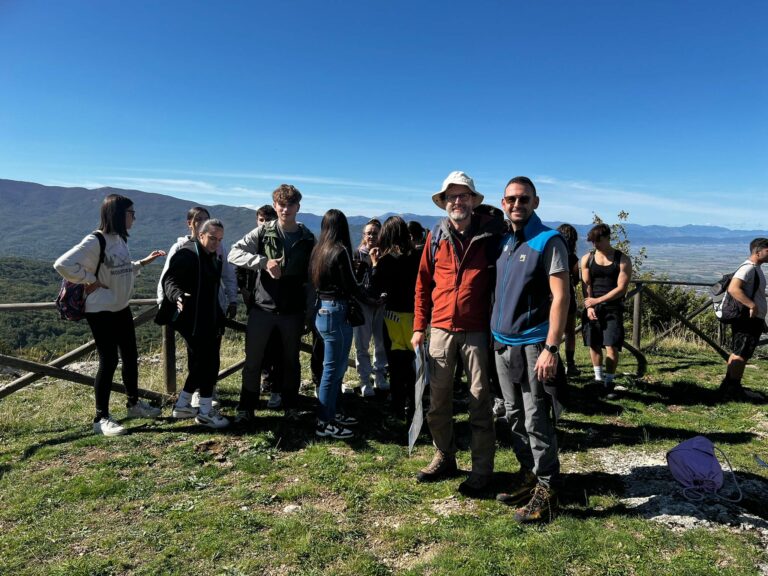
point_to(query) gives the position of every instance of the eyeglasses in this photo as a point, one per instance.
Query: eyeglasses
(132, 213)
(522, 200)
(464, 196)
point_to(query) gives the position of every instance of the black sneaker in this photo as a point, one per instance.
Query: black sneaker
(333, 430)
(441, 467)
(245, 417)
(476, 485)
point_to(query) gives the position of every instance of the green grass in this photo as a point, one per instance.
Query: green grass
(171, 498)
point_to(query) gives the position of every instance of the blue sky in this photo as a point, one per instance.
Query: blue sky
(659, 108)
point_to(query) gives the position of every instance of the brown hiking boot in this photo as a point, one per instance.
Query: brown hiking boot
(442, 466)
(542, 507)
(522, 486)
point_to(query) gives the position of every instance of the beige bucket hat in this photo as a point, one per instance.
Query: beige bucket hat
(462, 179)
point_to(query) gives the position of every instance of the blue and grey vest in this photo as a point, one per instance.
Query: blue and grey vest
(521, 308)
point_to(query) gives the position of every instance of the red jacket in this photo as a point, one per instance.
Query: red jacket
(456, 295)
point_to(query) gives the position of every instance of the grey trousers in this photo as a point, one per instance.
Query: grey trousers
(289, 328)
(373, 328)
(444, 348)
(529, 411)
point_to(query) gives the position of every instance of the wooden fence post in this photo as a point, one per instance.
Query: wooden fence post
(169, 358)
(636, 316)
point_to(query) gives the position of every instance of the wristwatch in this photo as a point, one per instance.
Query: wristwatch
(551, 348)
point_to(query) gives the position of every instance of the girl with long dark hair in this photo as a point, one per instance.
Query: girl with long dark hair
(330, 270)
(106, 307)
(394, 271)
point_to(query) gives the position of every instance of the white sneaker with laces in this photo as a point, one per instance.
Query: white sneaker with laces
(180, 411)
(108, 427)
(275, 400)
(143, 410)
(213, 419)
(332, 429)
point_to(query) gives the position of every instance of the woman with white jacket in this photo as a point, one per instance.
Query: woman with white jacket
(106, 307)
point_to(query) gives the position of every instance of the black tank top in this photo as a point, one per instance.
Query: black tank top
(605, 278)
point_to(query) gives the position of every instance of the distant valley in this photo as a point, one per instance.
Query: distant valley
(47, 220)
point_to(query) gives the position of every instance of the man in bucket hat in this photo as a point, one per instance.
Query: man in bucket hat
(453, 292)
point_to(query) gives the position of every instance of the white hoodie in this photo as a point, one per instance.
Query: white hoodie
(117, 272)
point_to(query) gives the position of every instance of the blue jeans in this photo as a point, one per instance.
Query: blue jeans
(331, 322)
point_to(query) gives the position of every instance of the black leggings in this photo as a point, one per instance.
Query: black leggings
(114, 331)
(202, 361)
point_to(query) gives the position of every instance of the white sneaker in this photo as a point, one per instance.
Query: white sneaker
(143, 410)
(187, 411)
(275, 400)
(108, 427)
(346, 389)
(382, 384)
(367, 391)
(332, 429)
(195, 402)
(213, 419)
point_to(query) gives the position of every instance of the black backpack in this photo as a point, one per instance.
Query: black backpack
(727, 309)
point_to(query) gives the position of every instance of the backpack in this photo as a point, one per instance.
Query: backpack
(693, 463)
(71, 299)
(727, 309)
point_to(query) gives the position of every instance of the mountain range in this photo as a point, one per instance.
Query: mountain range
(48, 220)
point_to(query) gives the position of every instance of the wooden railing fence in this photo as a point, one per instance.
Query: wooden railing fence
(55, 368)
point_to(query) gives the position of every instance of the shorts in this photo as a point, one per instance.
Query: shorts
(746, 335)
(607, 330)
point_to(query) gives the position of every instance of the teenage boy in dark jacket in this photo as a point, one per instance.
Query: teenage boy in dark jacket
(279, 251)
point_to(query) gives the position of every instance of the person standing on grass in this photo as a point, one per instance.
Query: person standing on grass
(605, 276)
(453, 291)
(191, 303)
(271, 373)
(279, 252)
(227, 289)
(528, 319)
(373, 312)
(109, 287)
(571, 238)
(393, 272)
(334, 279)
(748, 288)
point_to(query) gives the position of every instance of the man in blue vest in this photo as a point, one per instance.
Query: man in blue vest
(528, 321)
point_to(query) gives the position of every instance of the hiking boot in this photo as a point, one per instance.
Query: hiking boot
(476, 485)
(346, 420)
(142, 410)
(442, 466)
(332, 430)
(275, 400)
(213, 419)
(181, 411)
(522, 485)
(245, 417)
(542, 507)
(108, 427)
